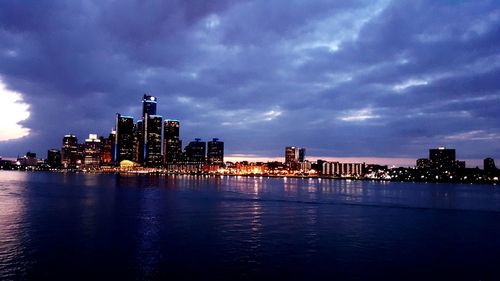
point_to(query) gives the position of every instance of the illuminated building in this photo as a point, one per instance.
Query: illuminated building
(92, 154)
(149, 105)
(341, 169)
(196, 151)
(215, 152)
(124, 140)
(294, 155)
(423, 163)
(172, 145)
(107, 147)
(291, 155)
(139, 142)
(443, 159)
(54, 158)
(69, 152)
(152, 140)
(28, 160)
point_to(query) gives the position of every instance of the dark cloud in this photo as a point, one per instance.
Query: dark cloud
(343, 78)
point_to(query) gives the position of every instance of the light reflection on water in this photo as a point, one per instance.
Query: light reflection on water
(150, 227)
(13, 225)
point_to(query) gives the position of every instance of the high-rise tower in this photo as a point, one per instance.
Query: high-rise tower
(215, 152)
(124, 143)
(172, 145)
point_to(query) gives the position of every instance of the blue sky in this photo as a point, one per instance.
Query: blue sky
(341, 78)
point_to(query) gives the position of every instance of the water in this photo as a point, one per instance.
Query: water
(57, 226)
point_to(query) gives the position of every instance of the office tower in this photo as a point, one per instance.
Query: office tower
(291, 155)
(148, 105)
(92, 152)
(148, 134)
(54, 158)
(302, 154)
(489, 165)
(69, 151)
(442, 158)
(152, 139)
(107, 147)
(196, 151)
(215, 152)
(172, 145)
(140, 150)
(124, 140)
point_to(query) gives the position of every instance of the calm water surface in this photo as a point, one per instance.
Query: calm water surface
(57, 226)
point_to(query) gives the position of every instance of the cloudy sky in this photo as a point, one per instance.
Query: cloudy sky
(341, 78)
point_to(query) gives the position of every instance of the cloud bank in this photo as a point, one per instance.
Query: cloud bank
(342, 78)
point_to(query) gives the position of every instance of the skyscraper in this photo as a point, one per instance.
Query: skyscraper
(172, 145)
(442, 158)
(107, 148)
(215, 152)
(291, 156)
(148, 134)
(124, 143)
(92, 154)
(196, 151)
(152, 139)
(69, 151)
(302, 154)
(140, 150)
(148, 105)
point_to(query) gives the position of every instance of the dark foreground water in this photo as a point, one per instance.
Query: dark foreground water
(56, 226)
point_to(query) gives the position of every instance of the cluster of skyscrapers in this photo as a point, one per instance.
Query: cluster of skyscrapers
(149, 142)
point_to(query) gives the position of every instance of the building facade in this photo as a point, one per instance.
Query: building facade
(172, 144)
(215, 152)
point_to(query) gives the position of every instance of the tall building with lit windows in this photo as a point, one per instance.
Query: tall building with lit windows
(107, 147)
(152, 140)
(69, 151)
(148, 134)
(196, 151)
(172, 144)
(92, 152)
(124, 142)
(149, 105)
(215, 152)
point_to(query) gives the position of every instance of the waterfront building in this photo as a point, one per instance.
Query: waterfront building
(302, 154)
(291, 155)
(423, 163)
(28, 160)
(152, 140)
(172, 144)
(215, 152)
(107, 148)
(489, 165)
(140, 149)
(444, 159)
(69, 152)
(341, 169)
(195, 151)
(92, 152)
(124, 139)
(149, 105)
(54, 158)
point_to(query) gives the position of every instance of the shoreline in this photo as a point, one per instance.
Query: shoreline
(162, 173)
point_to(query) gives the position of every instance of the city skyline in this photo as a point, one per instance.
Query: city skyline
(378, 80)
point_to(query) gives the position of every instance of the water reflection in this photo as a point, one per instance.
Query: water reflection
(13, 225)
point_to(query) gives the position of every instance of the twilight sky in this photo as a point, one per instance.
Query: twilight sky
(341, 78)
